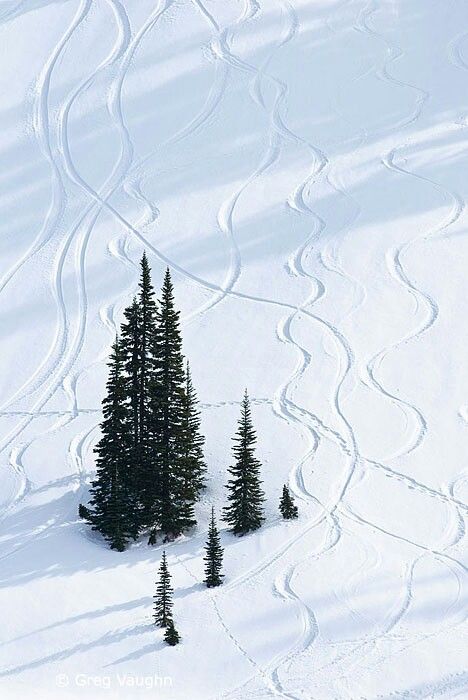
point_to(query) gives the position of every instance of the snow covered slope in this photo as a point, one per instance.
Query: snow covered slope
(302, 166)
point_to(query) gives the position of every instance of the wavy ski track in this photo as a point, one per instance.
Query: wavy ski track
(41, 126)
(305, 362)
(360, 653)
(283, 406)
(397, 271)
(64, 361)
(395, 618)
(453, 565)
(285, 586)
(55, 212)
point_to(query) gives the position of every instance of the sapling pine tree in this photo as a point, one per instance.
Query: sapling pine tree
(287, 506)
(163, 597)
(171, 635)
(245, 510)
(110, 510)
(214, 555)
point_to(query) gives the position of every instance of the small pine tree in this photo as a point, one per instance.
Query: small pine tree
(163, 597)
(171, 635)
(245, 510)
(213, 556)
(287, 506)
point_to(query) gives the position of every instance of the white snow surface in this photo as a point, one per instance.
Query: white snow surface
(301, 166)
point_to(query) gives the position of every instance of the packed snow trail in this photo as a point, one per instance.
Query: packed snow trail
(300, 166)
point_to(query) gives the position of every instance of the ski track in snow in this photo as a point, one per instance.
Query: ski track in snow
(401, 275)
(57, 367)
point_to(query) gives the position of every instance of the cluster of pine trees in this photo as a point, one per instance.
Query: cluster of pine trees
(150, 467)
(150, 464)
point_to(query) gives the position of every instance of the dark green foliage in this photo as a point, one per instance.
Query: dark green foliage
(150, 466)
(163, 597)
(245, 510)
(110, 509)
(83, 512)
(192, 468)
(146, 476)
(214, 555)
(130, 334)
(287, 506)
(170, 514)
(171, 635)
(147, 329)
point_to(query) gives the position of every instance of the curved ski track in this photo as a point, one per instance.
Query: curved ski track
(56, 367)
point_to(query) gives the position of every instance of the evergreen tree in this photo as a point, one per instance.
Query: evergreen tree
(130, 343)
(245, 510)
(171, 635)
(213, 556)
(287, 506)
(170, 513)
(147, 319)
(163, 597)
(145, 486)
(110, 509)
(192, 468)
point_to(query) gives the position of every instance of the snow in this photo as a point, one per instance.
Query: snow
(300, 165)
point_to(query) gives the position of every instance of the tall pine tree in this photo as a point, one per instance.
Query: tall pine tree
(245, 510)
(130, 334)
(169, 512)
(163, 597)
(147, 329)
(147, 318)
(110, 510)
(214, 555)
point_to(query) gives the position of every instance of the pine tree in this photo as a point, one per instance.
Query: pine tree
(214, 555)
(171, 635)
(167, 401)
(163, 597)
(192, 468)
(145, 486)
(147, 323)
(245, 510)
(287, 506)
(110, 509)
